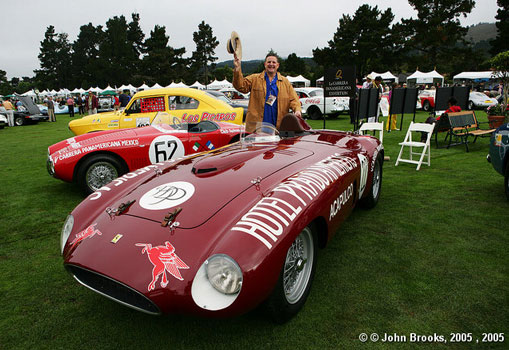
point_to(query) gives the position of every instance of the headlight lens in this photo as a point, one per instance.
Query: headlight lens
(224, 274)
(66, 231)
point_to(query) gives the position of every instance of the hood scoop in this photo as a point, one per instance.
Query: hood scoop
(218, 163)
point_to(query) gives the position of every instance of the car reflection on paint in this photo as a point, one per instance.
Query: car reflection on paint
(220, 233)
(93, 160)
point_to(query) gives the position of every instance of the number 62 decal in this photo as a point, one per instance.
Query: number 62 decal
(165, 147)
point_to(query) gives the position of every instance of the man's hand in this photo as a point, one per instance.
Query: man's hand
(236, 62)
(298, 114)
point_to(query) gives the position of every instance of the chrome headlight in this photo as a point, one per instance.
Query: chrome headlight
(66, 231)
(223, 274)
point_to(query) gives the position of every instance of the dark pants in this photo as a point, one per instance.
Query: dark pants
(71, 111)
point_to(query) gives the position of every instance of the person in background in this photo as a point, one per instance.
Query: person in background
(367, 83)
(123, 99)
(70, 105)
(453, 108)
(51, 109)
(272, 95)
(80, 103)
(9, 108)
(92, 103)
(116, 103)
(392, 117)
(377, 84)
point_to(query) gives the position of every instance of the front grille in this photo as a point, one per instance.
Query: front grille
(114, 290)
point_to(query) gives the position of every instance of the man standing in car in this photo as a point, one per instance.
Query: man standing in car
(272, 95)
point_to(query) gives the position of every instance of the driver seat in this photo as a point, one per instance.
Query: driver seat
(292, 125)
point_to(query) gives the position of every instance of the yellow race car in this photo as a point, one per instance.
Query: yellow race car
(189, 105)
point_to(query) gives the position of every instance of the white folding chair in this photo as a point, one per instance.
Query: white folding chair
(426, 148)
(373, 127)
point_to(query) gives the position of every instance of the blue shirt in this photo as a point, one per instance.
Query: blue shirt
(270, 112)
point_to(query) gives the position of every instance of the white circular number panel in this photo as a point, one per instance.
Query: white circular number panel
(165, 147)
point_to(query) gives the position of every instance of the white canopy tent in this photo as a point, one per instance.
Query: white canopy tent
(387, 76)
(198, 85)
(299, 81)
(143, 87)
(425, 78)
(30, 93)
(218, 85)
(476, 76)
(127, 87)
(155, 86)
(177, 85)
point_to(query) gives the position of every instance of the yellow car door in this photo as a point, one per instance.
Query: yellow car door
(141, 110)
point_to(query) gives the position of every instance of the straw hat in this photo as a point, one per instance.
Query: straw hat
(234, 46)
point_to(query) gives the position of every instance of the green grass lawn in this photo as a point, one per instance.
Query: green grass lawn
(432, 257)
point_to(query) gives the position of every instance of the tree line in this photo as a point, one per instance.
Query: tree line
(120, 53)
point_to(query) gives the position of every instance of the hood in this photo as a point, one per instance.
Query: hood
(201, 187)
(91, 139)
(29, 104)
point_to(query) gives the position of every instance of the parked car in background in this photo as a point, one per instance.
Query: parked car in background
(234, 103)
(105, 103)
(311, 100)
(427, 99)
(234, 95)
(93, 160)
(3, 121)
(28, 113)
(499, 154)
(480, 100)
(190, 105)
(219, 233)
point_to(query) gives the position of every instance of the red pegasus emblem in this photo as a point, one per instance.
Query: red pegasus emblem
(86, 233)
(164, 259)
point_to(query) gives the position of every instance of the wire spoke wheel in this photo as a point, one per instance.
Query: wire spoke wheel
(298, 266)
(100, 174)
(377, 179)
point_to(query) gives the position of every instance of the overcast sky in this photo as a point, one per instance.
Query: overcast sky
(287, 27)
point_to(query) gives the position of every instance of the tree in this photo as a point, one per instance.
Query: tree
(500, 66)
(54, 59)
(501, 42)
(364, 40)
(206, 44)
(86, 54)
(295, 65)
(162, 63)
(436, 32)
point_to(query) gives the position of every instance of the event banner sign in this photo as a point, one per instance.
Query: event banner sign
(339, 82)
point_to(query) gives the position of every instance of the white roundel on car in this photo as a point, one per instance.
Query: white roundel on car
(165, 147)
(168, 195)
(364, 173)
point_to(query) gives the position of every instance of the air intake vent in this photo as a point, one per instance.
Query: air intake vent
(114, 290)
(203, 171)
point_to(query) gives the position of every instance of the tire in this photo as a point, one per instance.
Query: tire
(506, 180)
(315, 113)
(426, 106)
(19, 121)
(97, 171)
(295, 279)
(371, 200)
(470, 105)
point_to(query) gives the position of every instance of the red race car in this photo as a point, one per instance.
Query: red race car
(218, 233)
(95, 159)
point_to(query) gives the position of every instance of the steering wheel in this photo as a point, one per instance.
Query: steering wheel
(177, 122)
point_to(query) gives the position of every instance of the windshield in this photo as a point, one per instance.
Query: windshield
(264, 132)
(317, 92)
(165, 119)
